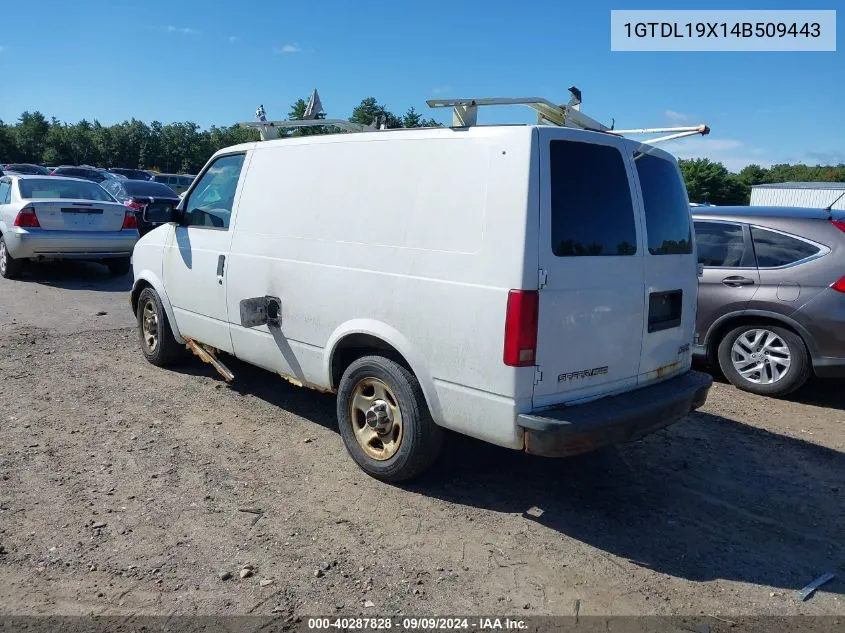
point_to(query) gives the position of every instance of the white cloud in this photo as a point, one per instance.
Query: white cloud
(440, 89)
(675, 116)
(287, 48)
(184, 30)
(233, 39)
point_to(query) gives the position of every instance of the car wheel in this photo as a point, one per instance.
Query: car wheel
(764, 359)
(158, 344)
(384, 420)
(120, 267)
(10, 268)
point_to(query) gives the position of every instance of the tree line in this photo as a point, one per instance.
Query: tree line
(709, 181)
(174, 147)
(184, 147)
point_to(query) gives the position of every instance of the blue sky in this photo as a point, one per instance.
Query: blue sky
(214, 61)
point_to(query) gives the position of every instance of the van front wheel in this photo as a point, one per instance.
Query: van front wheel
(158, 344)
(384, 420)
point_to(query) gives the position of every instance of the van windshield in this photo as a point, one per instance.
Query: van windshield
(667, 211)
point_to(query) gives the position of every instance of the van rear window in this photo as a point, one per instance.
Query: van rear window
(667, 214)
(592, 212)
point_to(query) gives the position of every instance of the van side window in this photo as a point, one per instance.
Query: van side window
(667, 215)
(5, 192)
(776, 249)
(592, 211)
(722, 245)
(210, 203)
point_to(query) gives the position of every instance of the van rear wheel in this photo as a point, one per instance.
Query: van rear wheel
(384, 420)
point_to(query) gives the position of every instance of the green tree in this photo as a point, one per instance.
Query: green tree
(370, 111)
(297, 113)
(8, 143)
(81, 143)
(753, 175)
(31, 132)
(711, 182)
(412, 118)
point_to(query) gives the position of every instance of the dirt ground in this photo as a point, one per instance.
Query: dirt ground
(127, 489)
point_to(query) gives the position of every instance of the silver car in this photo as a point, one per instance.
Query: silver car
(51, 217)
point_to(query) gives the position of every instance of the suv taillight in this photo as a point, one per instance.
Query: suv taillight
(521, 328)
(27, 219)
(130, 221)
(839, 286)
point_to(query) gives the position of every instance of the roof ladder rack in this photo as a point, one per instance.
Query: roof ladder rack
(465, 114)
(270, 129)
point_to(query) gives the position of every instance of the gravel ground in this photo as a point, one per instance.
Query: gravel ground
(127, 489)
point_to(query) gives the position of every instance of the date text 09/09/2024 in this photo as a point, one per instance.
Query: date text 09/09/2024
(418, 624)
(722, 29)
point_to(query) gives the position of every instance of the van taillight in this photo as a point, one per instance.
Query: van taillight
(521, 328)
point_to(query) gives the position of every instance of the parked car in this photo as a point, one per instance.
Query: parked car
(131, 174)
(771, 309)
(178, 182)
(50, 217)
(506, 282)
(88, 173)
(142, 196)
(27, 168)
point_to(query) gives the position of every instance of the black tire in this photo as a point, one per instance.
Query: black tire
(166, 350)
(799, 370)
(421, 439)
(119, 267)
(10, 268)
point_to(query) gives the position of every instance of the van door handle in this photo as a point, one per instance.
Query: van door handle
(737, 281)
(221, 263)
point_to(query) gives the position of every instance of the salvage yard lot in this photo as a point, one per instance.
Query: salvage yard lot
(122, 490)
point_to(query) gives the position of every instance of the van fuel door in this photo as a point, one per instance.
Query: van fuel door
(261, 311)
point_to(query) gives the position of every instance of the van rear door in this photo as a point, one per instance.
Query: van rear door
(671, 277)
(591, 253)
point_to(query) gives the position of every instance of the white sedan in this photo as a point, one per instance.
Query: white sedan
(51, 217)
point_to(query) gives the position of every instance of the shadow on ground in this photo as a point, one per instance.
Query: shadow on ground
(74, 275)
(709, 498)
(819, 392)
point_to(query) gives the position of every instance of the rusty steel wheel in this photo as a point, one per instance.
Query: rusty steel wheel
(149, 325)
(376, 419)
(384, 419)
(154, 334)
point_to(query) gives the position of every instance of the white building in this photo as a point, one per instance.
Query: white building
(799, 194)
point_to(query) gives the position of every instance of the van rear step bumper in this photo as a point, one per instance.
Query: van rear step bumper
(570, 430)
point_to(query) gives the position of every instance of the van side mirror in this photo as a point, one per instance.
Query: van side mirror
(160, 215)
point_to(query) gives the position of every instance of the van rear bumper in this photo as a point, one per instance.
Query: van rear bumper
(569, 430)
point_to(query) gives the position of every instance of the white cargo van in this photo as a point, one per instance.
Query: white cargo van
(530, 286)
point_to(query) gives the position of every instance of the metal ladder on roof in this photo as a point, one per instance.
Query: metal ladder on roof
(465, 114)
